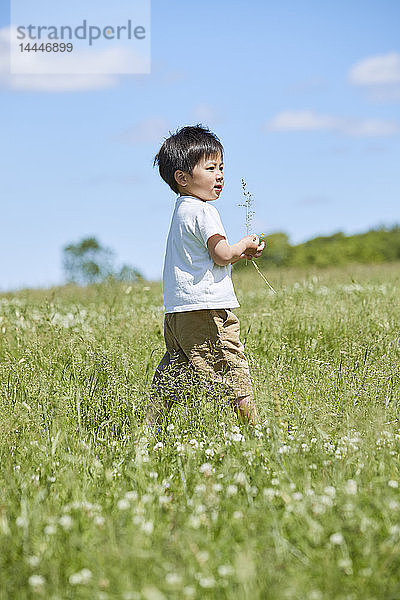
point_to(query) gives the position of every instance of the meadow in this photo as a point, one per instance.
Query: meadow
(304, 507)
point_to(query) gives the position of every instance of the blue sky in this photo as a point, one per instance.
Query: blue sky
(304, 96)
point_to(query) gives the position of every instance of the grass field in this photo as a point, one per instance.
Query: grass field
(305, 507)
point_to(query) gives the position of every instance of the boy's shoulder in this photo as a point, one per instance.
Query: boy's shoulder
(194, 206)
(194, 215)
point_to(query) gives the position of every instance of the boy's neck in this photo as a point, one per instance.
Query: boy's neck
(192, 196)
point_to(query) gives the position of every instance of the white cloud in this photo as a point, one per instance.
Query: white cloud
(383, 69)
(307, 120)
(300, 120)
(206, 114)
(149, 131)
(379, 75)
(86, 63)
(370, 127)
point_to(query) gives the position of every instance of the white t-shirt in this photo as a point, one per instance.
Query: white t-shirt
(191, 279)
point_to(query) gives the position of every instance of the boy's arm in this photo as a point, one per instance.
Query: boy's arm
(224, 254)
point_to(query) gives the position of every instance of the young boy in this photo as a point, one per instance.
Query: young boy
(200, 329)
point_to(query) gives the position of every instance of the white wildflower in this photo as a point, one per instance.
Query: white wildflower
(315, 595)
(297, 496)
(346, 564)
(131, 495)
(50, 529)
(123, 504)
(203, 556)
(21, 521)
(318, 508)
(240, 478)
(180, 448)
(269, 493)
(394, 530)
(207, 582)
(206, 469)
(351, 487)
(162, 500)
(194, 521)
(81, 577)
(66, 522)
(326, 500)
(231, 490)
(33, 561)
(147, 527)
(36, 581)
(173, 578)
(225, 570)
(336, 539)
(189, 591)
(393, 483)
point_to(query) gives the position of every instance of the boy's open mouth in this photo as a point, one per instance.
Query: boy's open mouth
(218, 187)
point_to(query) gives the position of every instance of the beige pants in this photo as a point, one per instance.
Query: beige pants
(208, 342)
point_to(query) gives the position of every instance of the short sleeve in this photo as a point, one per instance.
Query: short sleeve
(209, 223)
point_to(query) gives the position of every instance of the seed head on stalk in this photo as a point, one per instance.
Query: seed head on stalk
(248, 200)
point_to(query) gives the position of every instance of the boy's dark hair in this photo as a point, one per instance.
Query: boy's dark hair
(184, 149)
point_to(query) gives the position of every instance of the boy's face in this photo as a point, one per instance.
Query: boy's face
(206, 181)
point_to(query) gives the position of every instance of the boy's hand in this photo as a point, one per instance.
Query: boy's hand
(258, 252)
(253, 247)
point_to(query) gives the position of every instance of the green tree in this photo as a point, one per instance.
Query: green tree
(89, 262)
(128, 273)
(278, 249)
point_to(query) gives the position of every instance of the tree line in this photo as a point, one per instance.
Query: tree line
(374, 246)
(88, 261)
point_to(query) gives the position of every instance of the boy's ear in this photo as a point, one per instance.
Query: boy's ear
(180, 178)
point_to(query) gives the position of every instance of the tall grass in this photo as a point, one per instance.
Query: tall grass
(306, 506)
